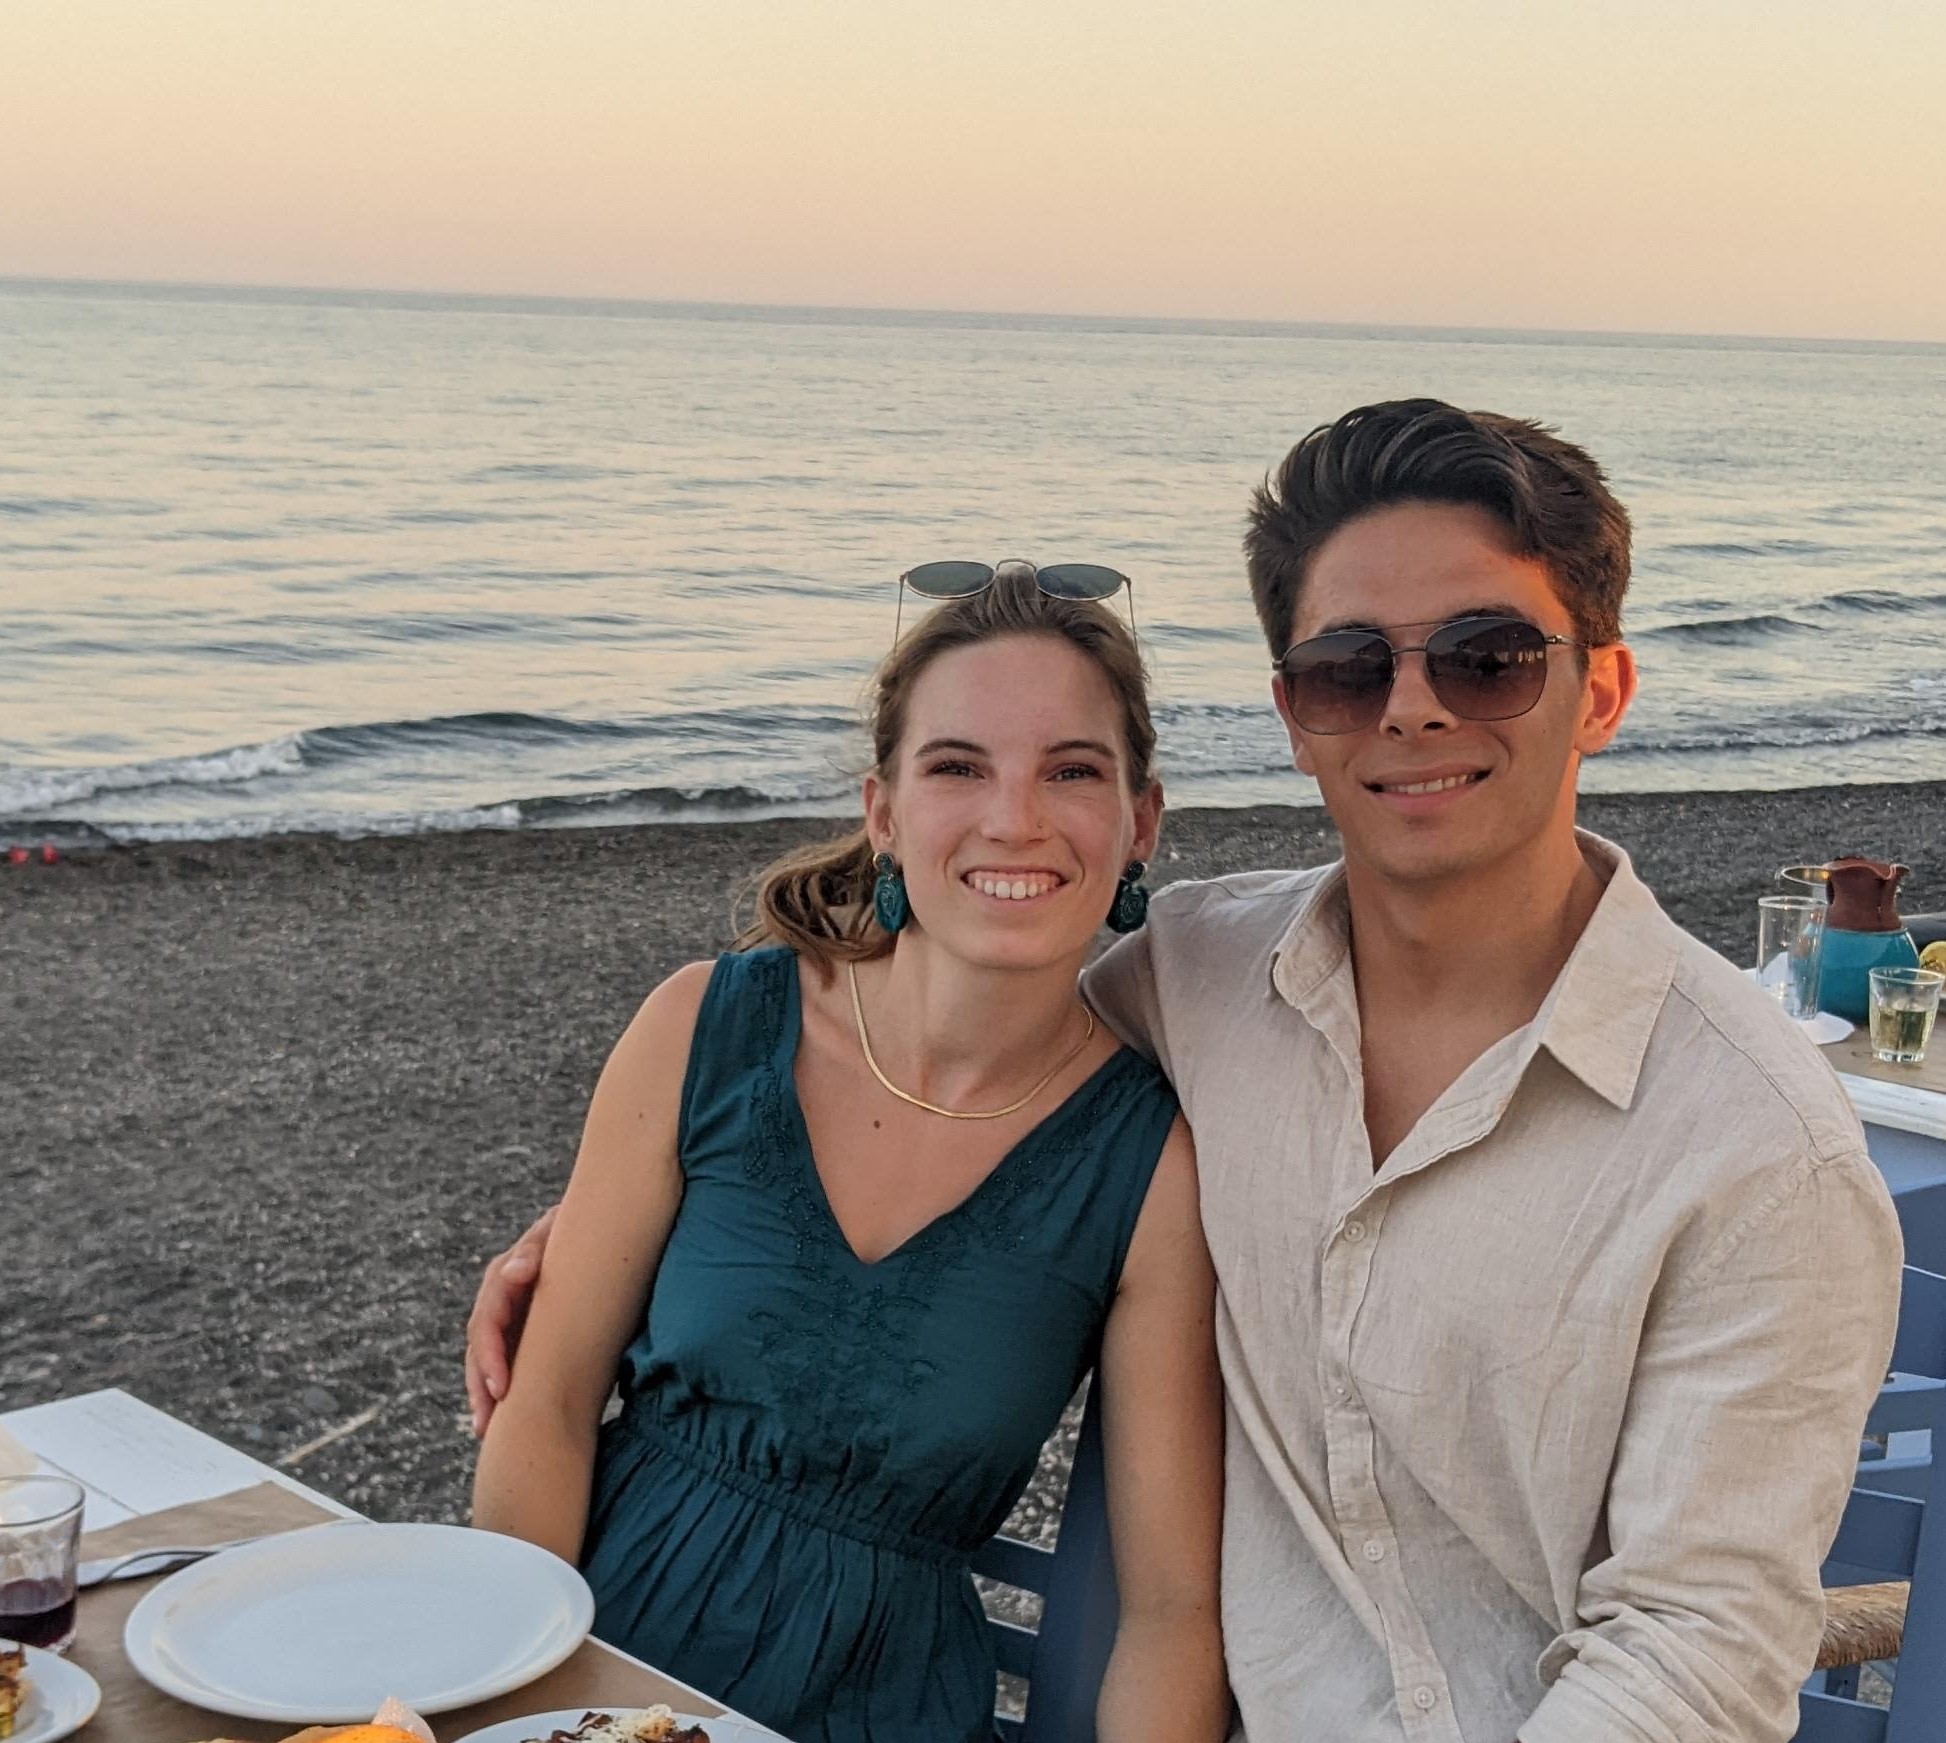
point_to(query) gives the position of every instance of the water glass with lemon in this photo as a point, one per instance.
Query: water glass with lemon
(1904, 1005)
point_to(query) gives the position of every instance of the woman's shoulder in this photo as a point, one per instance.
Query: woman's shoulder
(731, 1011)
(671, 1010)
(732, 974)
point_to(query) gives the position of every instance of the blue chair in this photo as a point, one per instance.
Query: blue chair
(1894, 1530)
(1066, 1659)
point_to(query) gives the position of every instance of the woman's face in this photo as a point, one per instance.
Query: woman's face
(1009, 807)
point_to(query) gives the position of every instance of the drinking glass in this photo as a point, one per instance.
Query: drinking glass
(1904, 1003)
(40, 1541)
(1790, 951)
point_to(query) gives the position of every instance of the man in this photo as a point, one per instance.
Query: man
(1555, 1279)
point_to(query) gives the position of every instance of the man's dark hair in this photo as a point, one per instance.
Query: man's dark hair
(1550, 496)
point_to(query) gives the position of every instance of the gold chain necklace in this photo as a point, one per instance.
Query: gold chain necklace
(865, 1045)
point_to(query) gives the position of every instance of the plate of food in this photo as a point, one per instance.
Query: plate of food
(643, 1725)
(43, 1697)
(321, 1626)
(394, 1722)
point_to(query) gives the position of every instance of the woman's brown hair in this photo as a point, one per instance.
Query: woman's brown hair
(818, 899)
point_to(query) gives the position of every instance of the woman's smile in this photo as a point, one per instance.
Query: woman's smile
(1013, 883)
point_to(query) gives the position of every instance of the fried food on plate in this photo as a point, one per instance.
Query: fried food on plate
(13, 1684)
(346, 1734)
(395, 1723)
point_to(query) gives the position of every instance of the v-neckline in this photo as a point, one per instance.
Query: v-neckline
(785, 1063)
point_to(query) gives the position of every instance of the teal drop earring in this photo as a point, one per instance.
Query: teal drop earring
(1131, 905)
(890, 904)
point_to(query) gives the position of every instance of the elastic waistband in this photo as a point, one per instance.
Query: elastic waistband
(766, 1493)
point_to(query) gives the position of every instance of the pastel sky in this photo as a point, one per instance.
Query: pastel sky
(1743, 166)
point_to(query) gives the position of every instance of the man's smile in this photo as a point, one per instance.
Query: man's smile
(1431, 785)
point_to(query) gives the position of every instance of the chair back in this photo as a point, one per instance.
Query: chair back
(1065, 1659)
(1894, 1528)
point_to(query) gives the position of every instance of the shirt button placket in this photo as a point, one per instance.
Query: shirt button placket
(1359, 1509)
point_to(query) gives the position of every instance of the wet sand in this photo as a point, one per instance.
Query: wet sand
(265, 1108)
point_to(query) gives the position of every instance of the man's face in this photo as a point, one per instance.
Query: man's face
(1504, 784)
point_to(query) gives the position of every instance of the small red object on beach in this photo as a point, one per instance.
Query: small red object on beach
(18, 856)
(50, 854)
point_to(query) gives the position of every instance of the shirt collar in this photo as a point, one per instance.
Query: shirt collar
(1601, 1011)
(1317, 942)
(1598, 1016)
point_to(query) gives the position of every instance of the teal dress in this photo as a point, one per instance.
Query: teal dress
(810, 1446)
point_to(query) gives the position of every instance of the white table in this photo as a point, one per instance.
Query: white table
(1896, 1106)
(133, 1459)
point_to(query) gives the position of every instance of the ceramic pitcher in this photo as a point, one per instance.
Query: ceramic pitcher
(1862, 932)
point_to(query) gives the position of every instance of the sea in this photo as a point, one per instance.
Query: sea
(277, 561)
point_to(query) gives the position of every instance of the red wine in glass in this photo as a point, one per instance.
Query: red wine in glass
(37, 1612)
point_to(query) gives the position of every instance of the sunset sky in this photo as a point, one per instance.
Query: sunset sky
(1707, 166)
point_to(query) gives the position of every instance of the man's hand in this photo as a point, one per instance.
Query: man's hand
(499, 1312)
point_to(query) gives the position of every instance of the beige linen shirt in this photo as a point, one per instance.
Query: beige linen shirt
(1543, 1429)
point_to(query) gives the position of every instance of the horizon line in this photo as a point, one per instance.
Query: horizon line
(1241, 325)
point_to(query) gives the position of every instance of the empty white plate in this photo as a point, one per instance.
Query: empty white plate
(61, 1698)
(320, 1626)
(537, 1727)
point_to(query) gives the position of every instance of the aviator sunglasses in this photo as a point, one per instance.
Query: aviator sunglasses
(1480, 668)
(953, 580)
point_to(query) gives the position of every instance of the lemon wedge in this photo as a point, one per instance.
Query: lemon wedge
(1934, 957)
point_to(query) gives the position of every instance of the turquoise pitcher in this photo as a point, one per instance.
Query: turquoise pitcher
(1862, 930)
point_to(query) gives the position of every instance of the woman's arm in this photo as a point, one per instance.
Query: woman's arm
(538, 1459)
(1162, 1444)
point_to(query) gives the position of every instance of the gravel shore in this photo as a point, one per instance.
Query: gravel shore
(266, 1107)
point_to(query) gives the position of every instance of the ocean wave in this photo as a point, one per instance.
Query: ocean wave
(509, 728)
(25, 791)
(544, 472)
(30, 791)
(32, 507)
(628, 805)
(1769, 736)
(689, 804)
(1873, 601)
(1745, 548)
(1728, 631)
(348, 825)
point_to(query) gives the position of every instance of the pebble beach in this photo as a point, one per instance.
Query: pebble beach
(267, 1106)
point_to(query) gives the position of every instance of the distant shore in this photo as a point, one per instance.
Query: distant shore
(267, 1106)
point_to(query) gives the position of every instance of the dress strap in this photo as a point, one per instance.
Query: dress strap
(748, 1020)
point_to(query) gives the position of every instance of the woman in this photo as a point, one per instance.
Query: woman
(854, 1212)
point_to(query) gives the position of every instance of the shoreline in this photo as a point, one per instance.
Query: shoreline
(79, 838)
(269, 1104)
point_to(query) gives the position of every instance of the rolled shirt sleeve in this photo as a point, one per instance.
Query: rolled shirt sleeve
(1760, 1358)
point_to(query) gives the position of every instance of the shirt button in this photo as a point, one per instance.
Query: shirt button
(1375, 1551)
(1354, 1232)
(1425, 1699)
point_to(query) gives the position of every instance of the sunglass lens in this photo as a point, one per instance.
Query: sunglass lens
(1338, 682)
(1487, 668)
(1080, 580)
(948, 580)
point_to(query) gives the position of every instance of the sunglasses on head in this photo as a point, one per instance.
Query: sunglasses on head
(1480, 668)
(952, 580)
